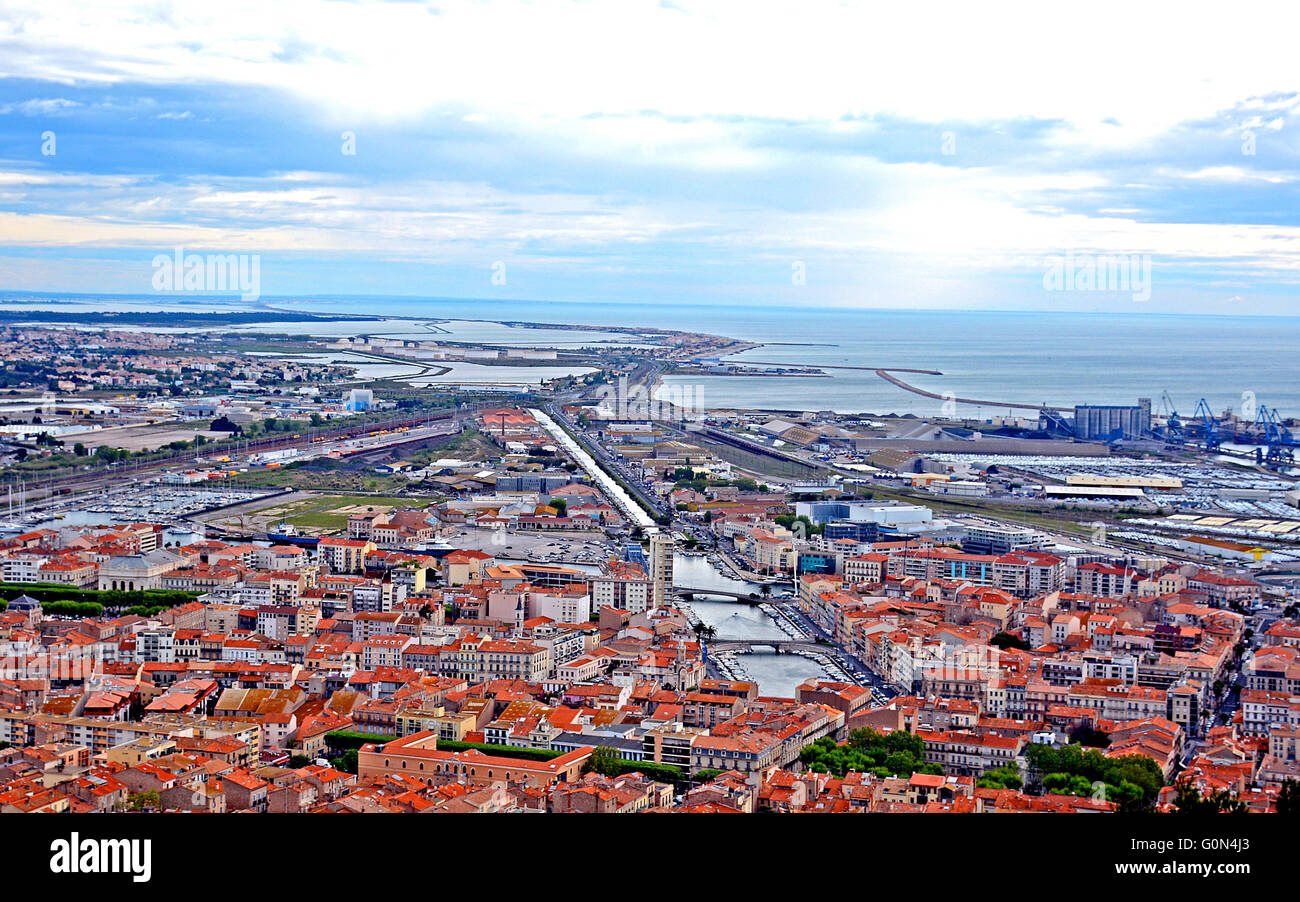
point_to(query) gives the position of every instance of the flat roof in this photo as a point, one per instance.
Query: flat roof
(1080, 491)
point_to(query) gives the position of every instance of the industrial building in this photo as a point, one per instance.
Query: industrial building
(891, 513)
(1111, 422)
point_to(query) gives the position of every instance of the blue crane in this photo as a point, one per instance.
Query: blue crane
(1209, 425)
(1172, 431)
(1278, 438)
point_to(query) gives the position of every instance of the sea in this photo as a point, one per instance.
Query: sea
(1235, 363)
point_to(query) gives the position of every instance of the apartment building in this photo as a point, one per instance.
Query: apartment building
(417, 756)
(967, 753)
(344, 555)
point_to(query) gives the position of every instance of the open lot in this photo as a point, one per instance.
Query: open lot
(310, 514)
(142, 438)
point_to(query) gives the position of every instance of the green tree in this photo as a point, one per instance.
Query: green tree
(1135, 778)
(897, 754)
(347, 762)
(1061, 784)
(604, 760)
(1001, 778)
(1288, 798)
(144, 801)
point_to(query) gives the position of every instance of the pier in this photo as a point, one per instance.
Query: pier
(888, 377)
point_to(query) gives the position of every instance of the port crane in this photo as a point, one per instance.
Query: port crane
(1278, 439)
(1209, 425)
(1172, 431)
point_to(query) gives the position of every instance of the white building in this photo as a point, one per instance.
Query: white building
(561, 606)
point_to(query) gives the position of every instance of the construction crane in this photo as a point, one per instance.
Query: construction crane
(1209, 425)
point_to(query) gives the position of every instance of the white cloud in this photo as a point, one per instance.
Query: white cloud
(1238, 174)
(680, 86)
(933, 218)
(51, 106)
(1142, 66)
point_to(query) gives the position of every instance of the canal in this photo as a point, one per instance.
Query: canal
(775, 674)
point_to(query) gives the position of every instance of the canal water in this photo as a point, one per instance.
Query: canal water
(775, 674)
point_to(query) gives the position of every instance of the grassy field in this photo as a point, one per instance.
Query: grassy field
(317, 514)
(329, 513)
(307, 478)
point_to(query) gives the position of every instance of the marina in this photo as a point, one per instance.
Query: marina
(132, 503)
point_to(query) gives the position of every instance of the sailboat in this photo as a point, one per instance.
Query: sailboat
(10, 524)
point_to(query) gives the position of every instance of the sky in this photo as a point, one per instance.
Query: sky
(812, 153)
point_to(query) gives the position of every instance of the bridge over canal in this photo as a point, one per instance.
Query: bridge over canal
(781, 646)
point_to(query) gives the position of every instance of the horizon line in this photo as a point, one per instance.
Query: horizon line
(234, 300)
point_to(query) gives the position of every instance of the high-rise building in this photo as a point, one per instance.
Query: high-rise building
(662, 549)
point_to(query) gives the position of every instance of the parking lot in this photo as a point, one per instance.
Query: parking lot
(585, 548)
